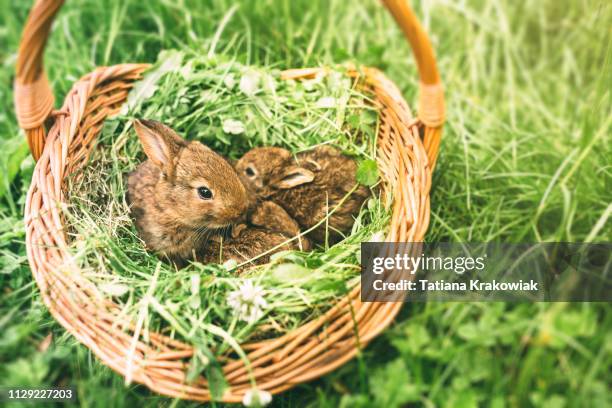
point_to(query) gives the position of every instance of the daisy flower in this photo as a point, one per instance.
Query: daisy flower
(326, 102)
(249, 83)
(256, 398)
(233, 127)
(247, 301)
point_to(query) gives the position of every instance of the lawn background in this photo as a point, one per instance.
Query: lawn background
(526, 157)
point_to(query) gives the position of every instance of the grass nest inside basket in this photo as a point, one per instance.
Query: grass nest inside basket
(231, 108)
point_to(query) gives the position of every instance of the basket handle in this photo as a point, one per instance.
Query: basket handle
(431, 109)
(34, 97)
(32, 93)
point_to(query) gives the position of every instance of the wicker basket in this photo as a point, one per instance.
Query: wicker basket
(407, 149)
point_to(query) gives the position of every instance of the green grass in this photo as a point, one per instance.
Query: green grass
(525, 157)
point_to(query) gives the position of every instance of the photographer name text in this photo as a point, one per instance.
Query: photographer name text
(474, 285)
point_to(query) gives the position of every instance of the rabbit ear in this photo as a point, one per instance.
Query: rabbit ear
(294, 176)
(160, 143)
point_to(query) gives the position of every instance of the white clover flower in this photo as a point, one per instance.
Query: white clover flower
(256, 398)
(229, 81)
(247, 301)
(326, 102)
(249, 83)
(377, 237)
(233, 127)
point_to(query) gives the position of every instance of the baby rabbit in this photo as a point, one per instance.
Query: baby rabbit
(308, 187)
(183, 194)
(270, 227)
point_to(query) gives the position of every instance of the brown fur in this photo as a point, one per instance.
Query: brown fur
(273, 217)
(162, 192)
(307, 186)
(271, 227)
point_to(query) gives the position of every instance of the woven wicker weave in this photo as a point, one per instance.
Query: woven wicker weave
(407, 149)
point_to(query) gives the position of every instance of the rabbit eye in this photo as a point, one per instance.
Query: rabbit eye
(250, 172)
(205, 193)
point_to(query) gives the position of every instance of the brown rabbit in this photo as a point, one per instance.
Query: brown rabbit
(270, 229)
(308, 187)
(183, 194)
